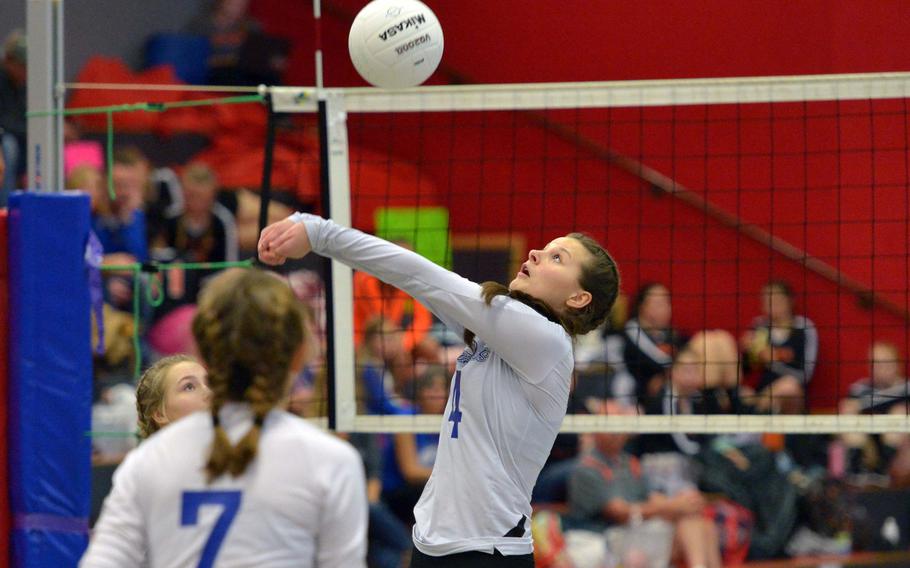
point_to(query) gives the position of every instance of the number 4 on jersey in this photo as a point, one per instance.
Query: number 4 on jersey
(455, 416)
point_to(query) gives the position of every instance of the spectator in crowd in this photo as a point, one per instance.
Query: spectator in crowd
(885, 390)
(122, 232)
(381, 389)
(374, 298)
(609, 489)
(241, 54)
(410, 457)
(227, 24)
(783, 347)
(124, 229)
(205, 231)
(703, 380)
(650, 342)
(90, 179)
(887, 384)
(12, 113)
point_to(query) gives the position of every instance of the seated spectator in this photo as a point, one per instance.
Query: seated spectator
(410, 457)
(703, 380)
(377, 385)
(12, 113)
(650, 343)
(90, 179)
(887, 384)
(205, 230)
(885, 390)
(122, 232)
(235, 37)
(608, 489)
(374, 298)
(783, 347)
(163, 199)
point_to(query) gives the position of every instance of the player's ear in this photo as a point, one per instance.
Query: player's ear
(579, 299)
(160, 416)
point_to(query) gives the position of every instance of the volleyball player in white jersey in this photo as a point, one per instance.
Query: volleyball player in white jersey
(246, 484)
(511, 385)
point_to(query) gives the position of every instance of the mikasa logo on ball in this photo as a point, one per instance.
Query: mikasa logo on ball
(395, 44)
(412, 22)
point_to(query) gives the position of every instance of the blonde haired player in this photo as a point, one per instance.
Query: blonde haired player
(511, 385)
(246, 484)
(172, 388)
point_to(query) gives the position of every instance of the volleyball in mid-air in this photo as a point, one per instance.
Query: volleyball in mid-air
(395, 44)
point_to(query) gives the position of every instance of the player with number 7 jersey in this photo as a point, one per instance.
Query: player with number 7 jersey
(246, 484)
(511, 385)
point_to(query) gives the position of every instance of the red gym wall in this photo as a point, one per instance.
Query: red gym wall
(516, 41)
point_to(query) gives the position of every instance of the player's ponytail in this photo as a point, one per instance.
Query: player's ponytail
(490, 290)
(248, 328)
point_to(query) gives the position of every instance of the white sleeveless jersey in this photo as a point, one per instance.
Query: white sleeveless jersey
(506, 402)
(301, 501)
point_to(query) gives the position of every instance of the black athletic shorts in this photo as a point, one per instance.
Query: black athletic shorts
(473, 559)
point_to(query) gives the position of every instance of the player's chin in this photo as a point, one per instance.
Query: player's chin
(518, 284)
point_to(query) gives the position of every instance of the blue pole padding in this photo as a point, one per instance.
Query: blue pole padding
(50, 389)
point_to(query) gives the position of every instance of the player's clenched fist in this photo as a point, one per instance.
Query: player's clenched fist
(282, 240)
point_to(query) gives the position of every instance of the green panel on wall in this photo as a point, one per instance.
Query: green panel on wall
(426, 229)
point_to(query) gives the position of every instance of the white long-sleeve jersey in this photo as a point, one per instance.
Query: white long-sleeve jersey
(301, 501)
(506, 402)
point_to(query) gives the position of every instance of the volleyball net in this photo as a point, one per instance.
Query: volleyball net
(711, 188)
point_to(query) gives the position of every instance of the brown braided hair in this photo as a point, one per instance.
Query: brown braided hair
(599, 277)
(150, 392)
(248, 327)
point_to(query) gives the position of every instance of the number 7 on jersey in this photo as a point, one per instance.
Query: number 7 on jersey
(189, 515)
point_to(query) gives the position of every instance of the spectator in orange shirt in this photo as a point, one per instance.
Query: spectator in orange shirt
(374, 298)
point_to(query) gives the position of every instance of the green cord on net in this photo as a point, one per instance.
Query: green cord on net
(155, 294)
(109, 149)
(148, 107)
(111, 434)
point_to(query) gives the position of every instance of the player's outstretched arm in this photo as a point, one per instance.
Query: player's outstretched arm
(528, 342)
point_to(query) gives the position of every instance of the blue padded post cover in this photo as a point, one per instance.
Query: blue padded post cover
(50, 389)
